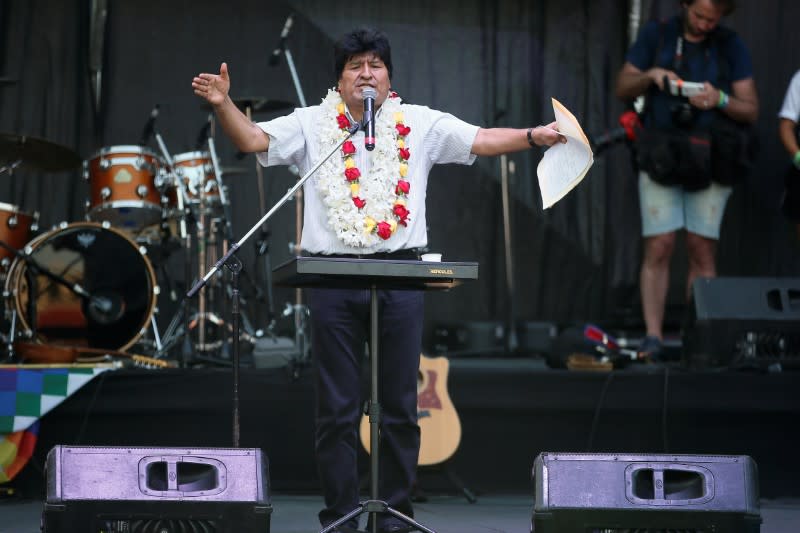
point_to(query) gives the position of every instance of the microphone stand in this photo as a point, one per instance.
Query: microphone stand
(236, 267)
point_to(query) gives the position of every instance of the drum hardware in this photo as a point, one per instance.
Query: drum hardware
(199, 194)
(200, 175)
(184, 236)
(191, 194)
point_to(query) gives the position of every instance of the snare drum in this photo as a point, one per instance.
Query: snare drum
(195, 171)
(107, 265)
(124, 186)
(15, 230)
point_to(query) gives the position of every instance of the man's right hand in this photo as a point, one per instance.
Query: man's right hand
(657, 74)
(213, 87)
(632, 82)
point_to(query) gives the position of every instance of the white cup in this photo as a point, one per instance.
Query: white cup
(432, 258)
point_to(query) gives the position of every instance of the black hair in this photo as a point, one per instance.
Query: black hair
(728, 6)
(359, 41)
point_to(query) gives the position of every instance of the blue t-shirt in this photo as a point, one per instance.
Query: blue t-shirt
(701, 62)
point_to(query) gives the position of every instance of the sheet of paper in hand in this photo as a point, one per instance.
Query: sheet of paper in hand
(564, 165)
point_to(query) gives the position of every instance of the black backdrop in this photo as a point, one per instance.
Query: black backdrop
(490, 63)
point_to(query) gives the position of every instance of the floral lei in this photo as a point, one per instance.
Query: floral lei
(364, 210)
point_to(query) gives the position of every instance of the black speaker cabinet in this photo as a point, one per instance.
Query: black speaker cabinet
(736, 322)
(156, 490)
(610, 493)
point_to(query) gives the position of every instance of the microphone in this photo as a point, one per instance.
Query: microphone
(149, 126)
(101, 303)
(203, 135)
(628, 130)
(368, 122)
(276, 54)
(105, 309)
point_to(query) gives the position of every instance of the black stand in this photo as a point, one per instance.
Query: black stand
(235, 266)
(373, 505)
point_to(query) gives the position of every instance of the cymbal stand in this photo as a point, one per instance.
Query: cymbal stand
(186, 349)
(9, 339)
(300, 311)
(10, 168)
(227, 220)
(262, 244)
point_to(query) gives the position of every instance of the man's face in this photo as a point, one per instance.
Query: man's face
(702, 17)
(363, 70)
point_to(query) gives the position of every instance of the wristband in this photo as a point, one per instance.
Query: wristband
(796, 159)
(723, 100)
(530, 138)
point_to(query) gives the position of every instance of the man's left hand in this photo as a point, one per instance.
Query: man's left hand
(547, 135)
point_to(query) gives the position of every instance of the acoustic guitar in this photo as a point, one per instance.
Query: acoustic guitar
(440, 428)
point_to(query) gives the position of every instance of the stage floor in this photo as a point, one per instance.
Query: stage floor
(444, 514)
(510, 411)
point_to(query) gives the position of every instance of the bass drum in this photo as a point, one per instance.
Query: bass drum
(116, 274)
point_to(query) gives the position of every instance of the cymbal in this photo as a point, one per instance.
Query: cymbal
(37, 153)
(7, 81)
(258, 104)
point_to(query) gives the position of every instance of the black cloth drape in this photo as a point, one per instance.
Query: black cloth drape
(490, 63)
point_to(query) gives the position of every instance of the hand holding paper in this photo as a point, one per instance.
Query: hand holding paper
(564, 165)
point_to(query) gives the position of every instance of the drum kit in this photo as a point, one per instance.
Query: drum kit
(94, 283)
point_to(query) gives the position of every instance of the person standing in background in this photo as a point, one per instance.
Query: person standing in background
(788, 132)
(690, 46)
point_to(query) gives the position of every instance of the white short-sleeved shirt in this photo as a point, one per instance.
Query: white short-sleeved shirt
(435, 137)
(791, 102)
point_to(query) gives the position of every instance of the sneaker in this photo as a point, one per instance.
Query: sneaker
(650, 347)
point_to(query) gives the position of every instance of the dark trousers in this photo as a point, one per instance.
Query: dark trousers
(340, 328)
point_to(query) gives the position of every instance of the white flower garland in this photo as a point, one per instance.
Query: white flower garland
(353, 226)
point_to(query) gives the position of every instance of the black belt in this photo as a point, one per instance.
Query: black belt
(410, 254)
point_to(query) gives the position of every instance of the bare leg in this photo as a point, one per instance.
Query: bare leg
(654, 280)
(702, 253)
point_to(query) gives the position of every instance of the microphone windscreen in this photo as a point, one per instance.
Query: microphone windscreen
(368, 92)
